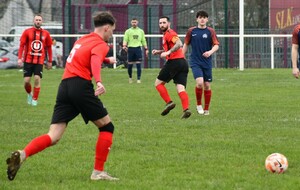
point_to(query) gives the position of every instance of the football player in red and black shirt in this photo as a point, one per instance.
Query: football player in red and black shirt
(76, 95)
(34, 43)
(176, 68)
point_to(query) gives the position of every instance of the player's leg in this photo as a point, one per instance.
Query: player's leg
(63, 113)
(207, 90)
(92, 109)
(28, 70)
(198, 76)
(103, 146)
(163, 78)
(130, 63)
(38, 144)
(139, 57)
(162, 90)
(38, 70)
(129, 71)
(54, 64)
(184, 98)
(180, 79)
(199, 93)
(139, 71)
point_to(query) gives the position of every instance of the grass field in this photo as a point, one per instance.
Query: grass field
(253, 114)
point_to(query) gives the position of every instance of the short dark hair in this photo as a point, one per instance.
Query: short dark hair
(103, 17)
(168, 19)
(202, 14)
(38, 14)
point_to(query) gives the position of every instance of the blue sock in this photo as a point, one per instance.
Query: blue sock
(139, 71)
(129, 69)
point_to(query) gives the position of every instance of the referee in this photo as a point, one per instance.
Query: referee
(134, 39)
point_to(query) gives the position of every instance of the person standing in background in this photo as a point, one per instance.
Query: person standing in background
(34, 43)
(134, 39)
(204, 42)
(295, 50)
(54, 54)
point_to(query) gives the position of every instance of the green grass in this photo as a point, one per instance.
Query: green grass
(253, 114)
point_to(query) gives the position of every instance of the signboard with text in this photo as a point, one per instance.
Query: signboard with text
(284, 15)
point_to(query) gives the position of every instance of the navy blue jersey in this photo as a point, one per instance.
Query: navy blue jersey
(201, 40)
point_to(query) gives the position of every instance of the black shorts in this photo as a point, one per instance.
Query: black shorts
(76, 95)
(176, 69)
(29, 69)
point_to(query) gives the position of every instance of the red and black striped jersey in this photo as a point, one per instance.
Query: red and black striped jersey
(34, 43)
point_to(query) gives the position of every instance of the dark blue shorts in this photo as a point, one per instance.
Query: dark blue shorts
(76, 95)
(134, 54)
(176, 69)
(35, 69)
(199, 71)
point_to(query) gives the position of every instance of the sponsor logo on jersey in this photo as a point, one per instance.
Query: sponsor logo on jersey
(36, 45)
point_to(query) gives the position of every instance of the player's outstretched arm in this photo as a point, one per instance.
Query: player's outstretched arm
(110, 60)
(157, 52)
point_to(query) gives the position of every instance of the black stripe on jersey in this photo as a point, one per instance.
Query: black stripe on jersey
(41, 38)
(32, 51)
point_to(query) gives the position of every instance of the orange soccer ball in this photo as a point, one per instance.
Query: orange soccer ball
(276, 163)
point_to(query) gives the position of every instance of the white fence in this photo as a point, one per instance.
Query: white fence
(269, 46)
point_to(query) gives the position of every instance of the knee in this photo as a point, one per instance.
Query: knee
(36, 80)
(158, 82)
(54, 140)
(37, 77)
(206, 86)
(180, 88)
(108, 128)
(199, 85)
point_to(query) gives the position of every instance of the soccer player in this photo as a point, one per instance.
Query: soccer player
(34, 43)
(76, 95)
(295, 50)
(134, 39)
(204, 42)
(175, 68)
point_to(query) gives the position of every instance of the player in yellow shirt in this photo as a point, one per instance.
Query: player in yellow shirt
(134, 39)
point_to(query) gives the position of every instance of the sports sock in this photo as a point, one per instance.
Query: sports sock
(129, 70)
(184, 100)
(38, 144)
(198, 92)
(163, 92)
(27, 87)
(102, 149)
(207, 96)
(36, 92)
(139, 71)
